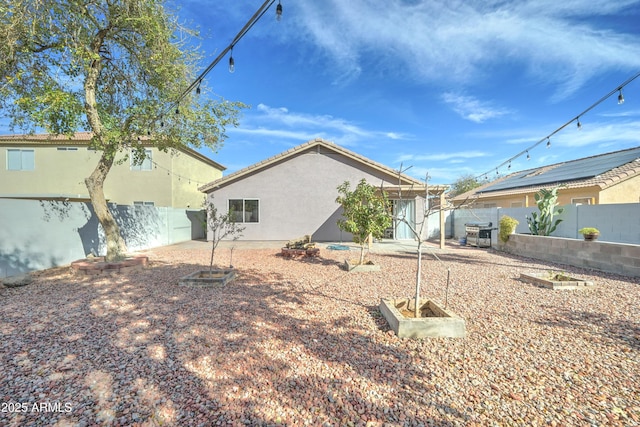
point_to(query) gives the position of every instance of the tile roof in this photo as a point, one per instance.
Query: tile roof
(407, 180)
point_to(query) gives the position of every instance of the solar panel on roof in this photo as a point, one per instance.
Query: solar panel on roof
(569, 171)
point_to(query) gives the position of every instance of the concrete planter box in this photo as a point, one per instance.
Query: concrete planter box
(218, 278)
(437, 323)
(552, 281)
(352, 265)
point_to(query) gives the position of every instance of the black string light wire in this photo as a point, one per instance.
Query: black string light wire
(250, 23)
(175, 105)
(576, 119)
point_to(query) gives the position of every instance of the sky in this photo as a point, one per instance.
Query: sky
(444, 88)
(448, 88)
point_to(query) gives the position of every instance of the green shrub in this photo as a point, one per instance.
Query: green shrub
(507, 226)
(365, 212)
(589, 230)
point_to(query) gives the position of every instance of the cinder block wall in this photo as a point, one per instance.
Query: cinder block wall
(620, 258)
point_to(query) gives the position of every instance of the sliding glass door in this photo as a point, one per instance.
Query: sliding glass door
(404, 209)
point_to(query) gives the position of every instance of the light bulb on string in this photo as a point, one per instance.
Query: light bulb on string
(279, 12)
(509, 167)
(578, 124)
(198, 91)
(620, 97)
(528, 155)
(232, 62)
(548, 142)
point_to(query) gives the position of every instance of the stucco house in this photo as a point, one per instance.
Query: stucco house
(293, 193)
(603, 179)
(48, 167)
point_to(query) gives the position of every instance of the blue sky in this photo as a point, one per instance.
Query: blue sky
(447, 87)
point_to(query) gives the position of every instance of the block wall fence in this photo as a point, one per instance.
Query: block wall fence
(619, 258)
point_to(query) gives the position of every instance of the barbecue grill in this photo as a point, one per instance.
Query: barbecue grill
(478, 234)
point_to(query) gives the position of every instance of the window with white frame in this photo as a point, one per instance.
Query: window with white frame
(20, 160)
(145, 165)
(581, 201)
(67, 148)
(138, 204)
(245, 210)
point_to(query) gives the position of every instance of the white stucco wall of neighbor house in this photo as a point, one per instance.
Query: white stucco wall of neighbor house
(297, 195)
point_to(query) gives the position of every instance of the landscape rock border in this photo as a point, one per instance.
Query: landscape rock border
(17, 281)
(97, 266)
(567, 285)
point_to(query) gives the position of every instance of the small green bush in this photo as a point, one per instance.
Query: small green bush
(507, 226)
(589, 230)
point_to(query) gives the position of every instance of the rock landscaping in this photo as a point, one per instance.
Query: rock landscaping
(304, 343)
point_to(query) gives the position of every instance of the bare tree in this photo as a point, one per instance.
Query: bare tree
(221, 226)
(419, 229)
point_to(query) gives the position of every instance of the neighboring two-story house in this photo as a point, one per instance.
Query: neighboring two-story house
(603, 179)
(50, 167)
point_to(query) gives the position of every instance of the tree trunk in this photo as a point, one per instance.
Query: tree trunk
(116, 247)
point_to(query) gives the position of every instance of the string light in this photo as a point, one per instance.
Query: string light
(279, 12)
(178, 176)
(547, 138)
(250, 23)
(232, 63)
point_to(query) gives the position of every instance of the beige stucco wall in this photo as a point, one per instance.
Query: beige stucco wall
(189, 174)
(61, 174)
(625, 192)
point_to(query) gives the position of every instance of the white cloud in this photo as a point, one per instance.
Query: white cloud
(452, 157)
(281, 123)
(600, 135)
(471, 108)
(558, 43)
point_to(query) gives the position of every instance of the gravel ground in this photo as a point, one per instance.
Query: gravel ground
(302, 342)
